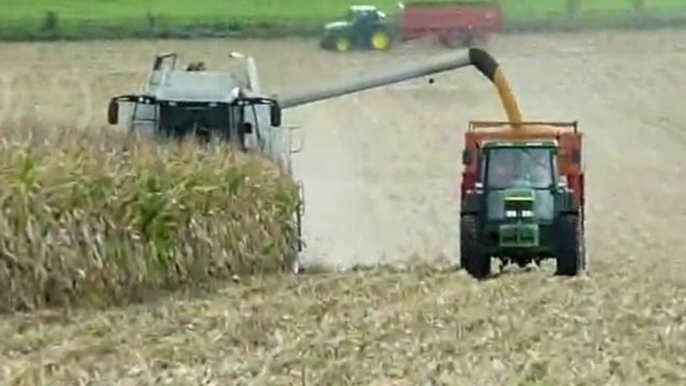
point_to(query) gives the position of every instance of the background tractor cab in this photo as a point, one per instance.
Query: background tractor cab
(364, 27)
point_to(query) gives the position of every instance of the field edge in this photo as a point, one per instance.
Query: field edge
(49, 29)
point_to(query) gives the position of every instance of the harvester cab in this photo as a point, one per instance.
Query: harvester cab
(522, 196)
(227, 105)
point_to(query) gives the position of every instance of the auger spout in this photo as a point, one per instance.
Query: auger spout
(490, 68)
(476, 57)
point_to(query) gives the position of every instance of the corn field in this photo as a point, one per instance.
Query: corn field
(93, 218)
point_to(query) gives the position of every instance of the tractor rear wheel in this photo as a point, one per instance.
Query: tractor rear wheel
(471, 258)
(380, 40)
(569, 246)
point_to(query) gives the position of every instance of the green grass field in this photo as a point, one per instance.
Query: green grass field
(77, 15)
(214, 9)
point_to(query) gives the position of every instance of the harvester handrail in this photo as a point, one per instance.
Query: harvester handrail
(161, 57)
(474, 125)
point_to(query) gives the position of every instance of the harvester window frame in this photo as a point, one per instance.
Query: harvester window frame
(136, 100)
(256, 129)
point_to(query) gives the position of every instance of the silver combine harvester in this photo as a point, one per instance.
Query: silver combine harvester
(175, 103)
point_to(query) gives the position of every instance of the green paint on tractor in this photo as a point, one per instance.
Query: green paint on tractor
(523, 231)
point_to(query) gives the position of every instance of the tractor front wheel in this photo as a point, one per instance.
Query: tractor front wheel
(569, 246)
(342, 44)
(471, 258)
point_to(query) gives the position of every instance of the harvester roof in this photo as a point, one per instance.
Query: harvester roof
(196, 86)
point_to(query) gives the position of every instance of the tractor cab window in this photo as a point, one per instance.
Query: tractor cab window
(520, 167)
(352, 15)
(366, 15)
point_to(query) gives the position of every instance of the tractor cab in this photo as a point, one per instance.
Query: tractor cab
(529, 165)
(519, 180)
(364, 27)
(364, 15)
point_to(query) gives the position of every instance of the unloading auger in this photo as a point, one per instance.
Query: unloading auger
(476, 57)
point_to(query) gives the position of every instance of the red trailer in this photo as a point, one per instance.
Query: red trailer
(455, 23)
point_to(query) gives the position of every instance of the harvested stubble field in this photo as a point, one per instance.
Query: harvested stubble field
(381, 173)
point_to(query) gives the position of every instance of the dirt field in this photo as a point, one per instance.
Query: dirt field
(381, 175)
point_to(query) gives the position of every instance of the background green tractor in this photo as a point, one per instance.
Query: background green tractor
(365, 27)
(521, 211)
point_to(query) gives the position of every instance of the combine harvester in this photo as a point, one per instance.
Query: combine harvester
(516, 219)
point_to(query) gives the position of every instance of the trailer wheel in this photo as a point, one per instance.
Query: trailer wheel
(380, 40)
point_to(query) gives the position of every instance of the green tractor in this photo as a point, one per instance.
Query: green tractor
(520, 208)
(365, 27)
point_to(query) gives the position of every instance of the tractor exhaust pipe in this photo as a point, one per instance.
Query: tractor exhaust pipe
(476, 57)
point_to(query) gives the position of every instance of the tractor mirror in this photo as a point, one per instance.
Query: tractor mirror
(275, 115)
(113, 112)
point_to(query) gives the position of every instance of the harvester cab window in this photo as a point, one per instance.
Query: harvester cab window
(524, 167)
(180, 119)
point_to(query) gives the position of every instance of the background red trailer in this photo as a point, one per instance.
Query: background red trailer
(454, 23)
